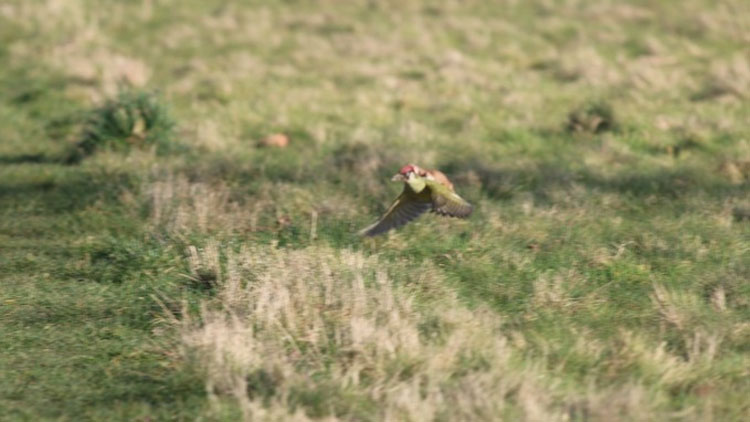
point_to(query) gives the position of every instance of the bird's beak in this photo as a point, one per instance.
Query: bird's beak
(398, 177)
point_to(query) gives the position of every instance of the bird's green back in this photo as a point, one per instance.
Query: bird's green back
(447, 202)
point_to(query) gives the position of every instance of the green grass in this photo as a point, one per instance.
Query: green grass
(605, 146)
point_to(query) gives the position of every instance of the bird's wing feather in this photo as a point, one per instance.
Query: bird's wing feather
(447, 202)
(408, 206)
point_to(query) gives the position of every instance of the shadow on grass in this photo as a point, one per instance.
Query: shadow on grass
(670, 184)
(61, 190)
(502, 183)
(148, 382)
(28, 159)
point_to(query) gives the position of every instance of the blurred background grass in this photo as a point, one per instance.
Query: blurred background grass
(605, 145)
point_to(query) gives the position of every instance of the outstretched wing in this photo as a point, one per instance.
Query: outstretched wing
(408, 206)
(447, 202)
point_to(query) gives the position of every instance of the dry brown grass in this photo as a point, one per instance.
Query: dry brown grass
(289, 322)
(179, 206)
(334, 320)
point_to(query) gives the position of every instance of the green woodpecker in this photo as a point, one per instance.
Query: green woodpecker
(424, 190)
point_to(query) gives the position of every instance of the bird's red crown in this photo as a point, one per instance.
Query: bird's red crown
(406, 169)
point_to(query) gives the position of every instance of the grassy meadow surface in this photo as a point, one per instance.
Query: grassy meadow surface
(159, 262)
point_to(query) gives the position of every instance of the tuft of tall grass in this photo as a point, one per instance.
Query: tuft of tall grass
(133, 119)
(592, 117)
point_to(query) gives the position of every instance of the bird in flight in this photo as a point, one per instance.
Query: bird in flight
(424, 190)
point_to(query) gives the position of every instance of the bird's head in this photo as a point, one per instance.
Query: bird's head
(405, 173)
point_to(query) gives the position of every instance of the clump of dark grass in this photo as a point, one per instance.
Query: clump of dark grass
(133, 119)
(592, 117)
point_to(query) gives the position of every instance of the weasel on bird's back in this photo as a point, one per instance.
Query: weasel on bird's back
(424, 190)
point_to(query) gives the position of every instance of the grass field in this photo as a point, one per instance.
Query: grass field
(159, 262)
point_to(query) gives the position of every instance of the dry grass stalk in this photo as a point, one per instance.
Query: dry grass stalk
(181, 206)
